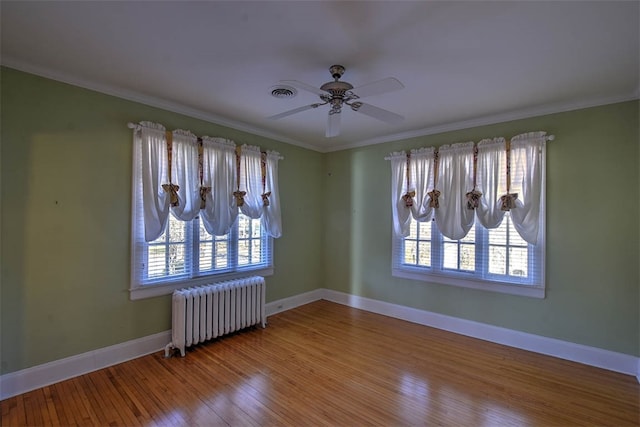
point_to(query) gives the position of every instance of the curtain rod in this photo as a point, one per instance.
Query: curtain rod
(138, 126)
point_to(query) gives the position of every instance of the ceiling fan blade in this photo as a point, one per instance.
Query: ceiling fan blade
(294, 111)
(377, 113)
(333, 125)
(376, 88)
(304, 86)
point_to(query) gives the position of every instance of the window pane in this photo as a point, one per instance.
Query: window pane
(256, 252)
(256, 229)
(497, 260)
(498, 236)
(410, 250)
(467, 257)
(518, 262)
(243, 252)
(425, 230)
(450, 255)
(413, 230)
(221, 254)
(243, 226)
(425, 254)
(157, 265)
(177, 229)
(177, 263)
(206, 255)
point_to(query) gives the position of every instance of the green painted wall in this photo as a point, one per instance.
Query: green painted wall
(66, 201)
(65, 224)
(592, 276)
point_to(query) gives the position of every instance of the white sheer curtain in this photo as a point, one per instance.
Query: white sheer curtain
(185, 173)
(219, 175)
(271, 218)
(409, 193)
(455, 179)
(154, 173)
(491, 181)
(526, 180)
(421, 167)
(215, 184)
(400, 212)
(251, 181)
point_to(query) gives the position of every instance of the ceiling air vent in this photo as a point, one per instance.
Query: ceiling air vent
(283, 92)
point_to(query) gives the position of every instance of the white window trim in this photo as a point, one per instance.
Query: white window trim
(483, 285)
(147, 291)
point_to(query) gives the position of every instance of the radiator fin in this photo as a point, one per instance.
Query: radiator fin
(202, 313)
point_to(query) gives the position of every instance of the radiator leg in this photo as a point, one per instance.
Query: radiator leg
(166, 350)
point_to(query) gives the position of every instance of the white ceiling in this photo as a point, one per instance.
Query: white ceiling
(462, 63)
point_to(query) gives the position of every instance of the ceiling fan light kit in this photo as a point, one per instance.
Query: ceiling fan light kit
(338, 93)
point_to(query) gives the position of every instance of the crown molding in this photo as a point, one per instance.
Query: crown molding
(151, 101)
(524, 113)
(148, 100)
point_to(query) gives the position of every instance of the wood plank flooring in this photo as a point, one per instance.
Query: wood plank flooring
(327, 364)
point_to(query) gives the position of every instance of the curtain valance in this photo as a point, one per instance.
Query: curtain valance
(459, 182)
(211, 177)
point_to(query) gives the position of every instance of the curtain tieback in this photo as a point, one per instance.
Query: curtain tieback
(433, 201)
(265, 198)
(508, 201)
(172, 189)
(239, 195)
(408, 198)
(473, 199)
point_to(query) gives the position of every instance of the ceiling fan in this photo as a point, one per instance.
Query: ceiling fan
(339, 93)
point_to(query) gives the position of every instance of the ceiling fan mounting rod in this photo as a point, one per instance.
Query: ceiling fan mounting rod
(336, 71)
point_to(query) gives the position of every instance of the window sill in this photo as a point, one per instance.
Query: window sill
(484, 285)
(155, 290)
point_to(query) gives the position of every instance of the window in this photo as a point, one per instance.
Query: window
(489, 259)
(491, 238)
(187, 251)
(215, 219)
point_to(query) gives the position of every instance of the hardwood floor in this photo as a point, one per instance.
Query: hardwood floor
(327, 364)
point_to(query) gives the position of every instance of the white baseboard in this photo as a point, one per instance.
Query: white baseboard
(46, 374)
(39, 376)
(49, 373)
(593, 356)
(294, 301)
